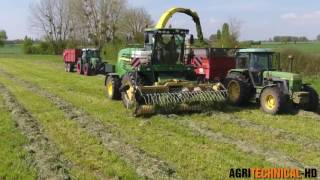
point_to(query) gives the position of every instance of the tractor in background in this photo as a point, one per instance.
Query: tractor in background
(87, 61)
(257, 76)
(156, 79)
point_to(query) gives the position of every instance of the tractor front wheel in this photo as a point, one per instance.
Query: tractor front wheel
(87, 69)
(313, 103)
(238, 92)
(128, 91)
(113, 87)
(272, 101)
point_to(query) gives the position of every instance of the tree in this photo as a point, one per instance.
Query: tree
(134, 22)
(3, 37)
(318, 37)
(52, 18)
(226, 36)
(235, 29)
(101, 18)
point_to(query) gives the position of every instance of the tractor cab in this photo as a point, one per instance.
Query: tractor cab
(88, 54)
(256, 62)
(167, 45)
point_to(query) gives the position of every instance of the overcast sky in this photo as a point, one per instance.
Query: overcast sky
(261, 19)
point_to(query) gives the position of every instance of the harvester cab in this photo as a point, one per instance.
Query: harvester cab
(155, 79)
(258, 76)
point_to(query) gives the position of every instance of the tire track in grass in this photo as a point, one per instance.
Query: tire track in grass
(145, 165)
(48, 161)
(279, 133)
(274, 157)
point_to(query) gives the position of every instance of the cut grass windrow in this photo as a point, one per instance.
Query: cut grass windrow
(145, 165)
(313, 115)
(202, 129)
(49, 162)
(282, 134)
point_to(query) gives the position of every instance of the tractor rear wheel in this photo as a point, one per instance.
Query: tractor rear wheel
(313, 103)
(238, 92)
(79, 68)
(113, 87)
(128, 91)
(272, 101)
(87, 69)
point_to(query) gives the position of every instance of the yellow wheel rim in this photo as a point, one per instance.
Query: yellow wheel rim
(130, 93)
(110, 89)
(234, 90)
(270, 102)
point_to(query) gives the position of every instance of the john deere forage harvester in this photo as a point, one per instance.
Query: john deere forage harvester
(155, 78)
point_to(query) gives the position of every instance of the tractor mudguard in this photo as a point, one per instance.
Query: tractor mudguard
(259, 92)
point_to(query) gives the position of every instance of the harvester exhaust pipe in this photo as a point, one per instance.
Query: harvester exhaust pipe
(291, 58)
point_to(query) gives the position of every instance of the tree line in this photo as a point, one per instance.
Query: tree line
(74, 23)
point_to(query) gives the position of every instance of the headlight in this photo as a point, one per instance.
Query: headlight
(197, 89)
(185, 89)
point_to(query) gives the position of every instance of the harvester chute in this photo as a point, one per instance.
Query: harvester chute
(169, 13)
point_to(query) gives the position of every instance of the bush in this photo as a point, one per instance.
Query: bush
(110, 50)
(304, 63)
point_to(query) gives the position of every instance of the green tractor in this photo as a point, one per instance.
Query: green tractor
(257, 76)
(90, 62)
(156, 79)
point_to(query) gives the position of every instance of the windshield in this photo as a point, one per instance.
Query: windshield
(94, 53)
(169, 48)
(261, 61)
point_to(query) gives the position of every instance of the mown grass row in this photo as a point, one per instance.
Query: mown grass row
(15, 161)
(89, 159)
(193, 156)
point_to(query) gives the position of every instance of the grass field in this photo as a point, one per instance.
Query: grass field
(98, 139)
(312, 47)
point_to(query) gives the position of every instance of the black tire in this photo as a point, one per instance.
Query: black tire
(239, 96)
(272, 101)
(87, 69)
(70, 67)
(313, 103)
(128, 94)
(112, 86)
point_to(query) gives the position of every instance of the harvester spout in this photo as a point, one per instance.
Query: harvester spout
(168, 14)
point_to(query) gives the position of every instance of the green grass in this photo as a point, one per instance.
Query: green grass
(14, 161)
(90, 159)
(193, 156)
(312, 47)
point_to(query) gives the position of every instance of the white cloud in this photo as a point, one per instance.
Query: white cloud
(306, 18)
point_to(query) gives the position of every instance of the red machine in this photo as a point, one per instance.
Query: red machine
(70, 58)
(212, 64)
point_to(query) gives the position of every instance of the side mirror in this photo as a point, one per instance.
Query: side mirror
(146, 38)
(191, 40)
